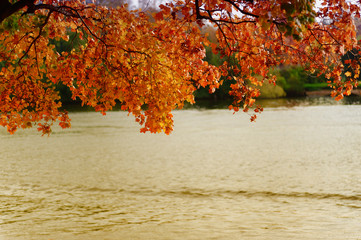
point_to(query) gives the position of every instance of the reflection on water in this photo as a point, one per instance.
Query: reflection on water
(281, 102)
(292, 175)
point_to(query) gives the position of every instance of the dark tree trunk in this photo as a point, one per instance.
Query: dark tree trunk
(7, 9)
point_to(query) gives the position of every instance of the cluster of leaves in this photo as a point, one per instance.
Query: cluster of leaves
(263, 34)
(152, 65)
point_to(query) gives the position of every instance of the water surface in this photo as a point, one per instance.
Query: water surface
(294, 174)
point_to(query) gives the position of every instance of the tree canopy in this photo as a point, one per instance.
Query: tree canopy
(151, 63)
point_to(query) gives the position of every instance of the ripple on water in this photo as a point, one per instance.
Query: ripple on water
(292, 175)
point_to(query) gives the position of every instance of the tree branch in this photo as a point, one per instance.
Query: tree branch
(36, 38)
(210, 17)
(7, 9)
(241, 10)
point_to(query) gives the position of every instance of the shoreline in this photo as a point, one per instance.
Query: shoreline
(327, 92)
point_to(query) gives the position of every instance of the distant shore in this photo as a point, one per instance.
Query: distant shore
(327, 92)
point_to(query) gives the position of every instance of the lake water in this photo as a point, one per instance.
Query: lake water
(294, 174)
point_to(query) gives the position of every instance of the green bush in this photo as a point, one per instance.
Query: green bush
(272, 91)
(293, 80)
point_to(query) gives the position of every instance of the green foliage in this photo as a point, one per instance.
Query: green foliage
(316, 86)
(294, 79)
(291, 81)
(74, 42)
(2, 64)
(211, 58)
(269, 90)
(10, 23)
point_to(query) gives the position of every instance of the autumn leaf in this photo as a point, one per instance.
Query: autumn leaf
(151, 64)
(159, 16)
(339, 97)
